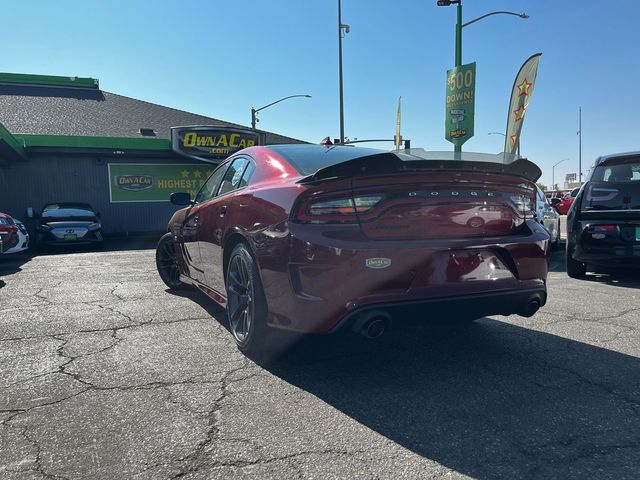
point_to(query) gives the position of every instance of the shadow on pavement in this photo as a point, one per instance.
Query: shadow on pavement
(11, 263)
(619, 277)
(490, 400)
(113, 244)
(211, 307)
(615, 277)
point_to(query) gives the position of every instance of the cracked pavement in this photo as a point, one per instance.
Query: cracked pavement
(106, 375)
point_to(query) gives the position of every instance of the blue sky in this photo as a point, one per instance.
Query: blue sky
(221, 58)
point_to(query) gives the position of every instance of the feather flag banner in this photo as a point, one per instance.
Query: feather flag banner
(520, 97)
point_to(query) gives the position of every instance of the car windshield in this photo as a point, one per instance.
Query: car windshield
(614, 185)
(417, 154)
(61, 210)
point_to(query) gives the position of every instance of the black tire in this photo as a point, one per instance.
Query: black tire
(247, 304)
(575, 269)
(167, 263)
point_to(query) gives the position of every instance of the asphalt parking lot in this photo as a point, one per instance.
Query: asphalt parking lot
(106, 375)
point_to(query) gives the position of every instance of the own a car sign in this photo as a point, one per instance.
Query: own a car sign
(212, 144)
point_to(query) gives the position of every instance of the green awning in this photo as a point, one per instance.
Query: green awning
(10, 147)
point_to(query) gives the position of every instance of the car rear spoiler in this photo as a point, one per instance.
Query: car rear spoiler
(389, 163)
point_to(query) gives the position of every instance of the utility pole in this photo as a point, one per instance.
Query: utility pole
(580, 145)
(340, 27)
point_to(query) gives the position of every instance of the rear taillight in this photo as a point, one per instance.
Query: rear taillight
(524, 207)
(602, 228)
(523, 204)
(336, 210)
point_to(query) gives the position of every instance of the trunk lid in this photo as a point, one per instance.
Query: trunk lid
(442, 204)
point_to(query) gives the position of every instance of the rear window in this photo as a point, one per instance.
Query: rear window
(620, 171)
(308, 159)
(614, 185)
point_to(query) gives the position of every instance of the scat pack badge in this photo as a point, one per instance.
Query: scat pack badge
(377, 263)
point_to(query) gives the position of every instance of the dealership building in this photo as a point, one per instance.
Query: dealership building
(63, 139)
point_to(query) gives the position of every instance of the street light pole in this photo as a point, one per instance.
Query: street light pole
(254, 111)
(341, 27)
(460, 25)
(580, 146)
(458, 148)
(553, 173)
(459, 35)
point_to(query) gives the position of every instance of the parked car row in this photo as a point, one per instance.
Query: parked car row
(563, 204)
(57, 224)
(13, 235)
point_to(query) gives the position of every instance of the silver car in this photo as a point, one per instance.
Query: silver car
(548, 217)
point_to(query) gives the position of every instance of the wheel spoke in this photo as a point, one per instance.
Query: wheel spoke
(241, 271)
(235, 286)
(233, 319)
(242, 324)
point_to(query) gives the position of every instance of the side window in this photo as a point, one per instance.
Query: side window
(231, 180)
(210, 188)
(246, 176)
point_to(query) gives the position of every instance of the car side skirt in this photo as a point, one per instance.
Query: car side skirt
(209, 292)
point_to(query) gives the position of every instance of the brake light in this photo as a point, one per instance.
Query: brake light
(602, 228)
(336, 210)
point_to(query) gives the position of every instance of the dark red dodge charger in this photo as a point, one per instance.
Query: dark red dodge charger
(313, 238)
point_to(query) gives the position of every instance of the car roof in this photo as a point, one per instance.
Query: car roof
(604, 158)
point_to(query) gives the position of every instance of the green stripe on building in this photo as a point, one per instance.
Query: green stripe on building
(51, 80)
(118, 143)
(10, 145)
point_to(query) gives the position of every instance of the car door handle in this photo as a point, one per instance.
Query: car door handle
(222, 211)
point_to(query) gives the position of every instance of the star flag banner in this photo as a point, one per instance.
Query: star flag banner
(520, 98)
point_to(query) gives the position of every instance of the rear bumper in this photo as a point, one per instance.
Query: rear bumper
(314, 283)
(465, 306)
(619, 256)
(92, 238)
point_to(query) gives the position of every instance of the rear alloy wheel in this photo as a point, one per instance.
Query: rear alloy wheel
(167, 263)
(575, 269)
(246, 303)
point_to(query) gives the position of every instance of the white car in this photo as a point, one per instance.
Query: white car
(13, 235)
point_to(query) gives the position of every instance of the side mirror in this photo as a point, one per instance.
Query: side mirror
(555, 201)
(30, 213)
(181, 199)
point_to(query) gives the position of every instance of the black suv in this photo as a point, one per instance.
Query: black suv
(603, 224)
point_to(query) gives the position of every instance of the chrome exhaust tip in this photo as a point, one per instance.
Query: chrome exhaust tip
(372, 324)
(530, 308)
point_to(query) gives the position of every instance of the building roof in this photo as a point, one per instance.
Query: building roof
(39, 109)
